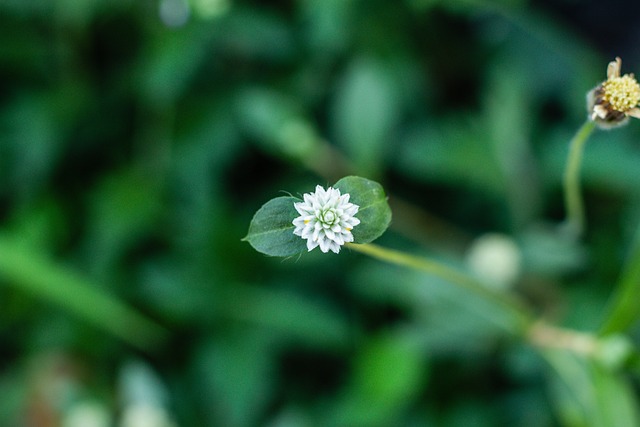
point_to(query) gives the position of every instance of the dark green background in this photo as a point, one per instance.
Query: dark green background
(135, 147)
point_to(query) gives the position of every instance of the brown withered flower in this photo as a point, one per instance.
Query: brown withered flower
(613, 101)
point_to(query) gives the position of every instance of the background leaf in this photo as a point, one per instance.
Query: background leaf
(623, 309)
(590, 395)
(42, 278)
(366, 110)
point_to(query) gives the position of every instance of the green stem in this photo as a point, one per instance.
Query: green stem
(522, 320)
(523, 324)
(572, 196)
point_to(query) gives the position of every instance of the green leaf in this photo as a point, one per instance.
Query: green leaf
(374, 213)
(271, 229)
(587, 394)
(623, 309)
(29, 271)
(218, 364)
(287, 314)
(365, 111)
(389, 371)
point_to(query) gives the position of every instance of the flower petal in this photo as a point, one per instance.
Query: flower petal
(634, 112)
(326, 219)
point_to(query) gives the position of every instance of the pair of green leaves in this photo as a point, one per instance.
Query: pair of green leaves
(271, 229)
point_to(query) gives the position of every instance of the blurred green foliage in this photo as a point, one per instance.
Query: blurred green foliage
(138, 138)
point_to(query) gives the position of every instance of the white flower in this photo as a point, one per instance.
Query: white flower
(326, 219)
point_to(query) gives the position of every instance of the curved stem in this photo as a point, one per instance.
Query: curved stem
(521, 318)
(544, 335)
(523, 324)
(572, 196)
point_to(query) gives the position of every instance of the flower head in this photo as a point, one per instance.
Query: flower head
(326, 219)
(613, 101)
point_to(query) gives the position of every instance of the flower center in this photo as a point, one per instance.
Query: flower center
(329, 217)
(623, 93)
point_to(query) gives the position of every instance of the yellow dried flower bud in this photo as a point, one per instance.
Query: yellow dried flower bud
(616, 99)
